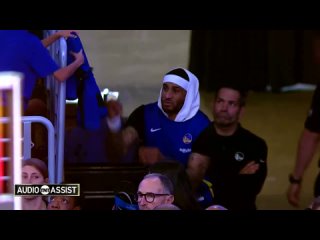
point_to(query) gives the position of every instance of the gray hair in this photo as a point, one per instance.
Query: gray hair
(165, 181)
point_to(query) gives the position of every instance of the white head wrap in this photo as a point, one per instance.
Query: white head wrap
(192, 101)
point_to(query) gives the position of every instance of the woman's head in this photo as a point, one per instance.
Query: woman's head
(34, 171)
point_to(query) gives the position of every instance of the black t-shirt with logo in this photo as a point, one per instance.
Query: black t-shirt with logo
(228, 155)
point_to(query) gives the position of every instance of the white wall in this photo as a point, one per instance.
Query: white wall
(134, 61)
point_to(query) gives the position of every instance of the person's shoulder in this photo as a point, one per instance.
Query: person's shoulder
(208, 132)
(139, 109)
(137, 114)
(203, 115)
(22, 37)
(31, 43)
(148, 108)
(153, 104)
(30, 38)
(252, 137)
(147, 105)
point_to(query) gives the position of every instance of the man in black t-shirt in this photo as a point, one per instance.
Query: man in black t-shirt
(231, 157)
(309, 139)
(308, 143)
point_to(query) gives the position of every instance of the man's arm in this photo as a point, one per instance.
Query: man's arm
(309, 138)
(197, 168)
(150, 155)
(64, 73)
(120, 138)
(306, 149)
(118, 143)
(252, 176)
(57, 35)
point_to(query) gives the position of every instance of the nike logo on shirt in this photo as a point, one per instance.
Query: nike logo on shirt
(155, 129)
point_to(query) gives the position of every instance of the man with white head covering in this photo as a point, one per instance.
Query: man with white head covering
(167, 128)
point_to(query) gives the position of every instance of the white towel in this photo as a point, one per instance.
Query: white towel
(192, 101)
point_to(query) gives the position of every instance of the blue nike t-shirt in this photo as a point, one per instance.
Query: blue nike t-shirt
(174, 139)
(23, 52)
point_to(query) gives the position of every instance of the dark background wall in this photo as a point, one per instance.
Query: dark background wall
(256, 58)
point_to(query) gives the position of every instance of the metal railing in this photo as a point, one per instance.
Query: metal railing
(27, 142)
(58, 52)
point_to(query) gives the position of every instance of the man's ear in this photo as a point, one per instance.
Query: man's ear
(170, 199)
(46, 180)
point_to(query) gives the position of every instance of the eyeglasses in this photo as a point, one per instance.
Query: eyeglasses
(149, 196)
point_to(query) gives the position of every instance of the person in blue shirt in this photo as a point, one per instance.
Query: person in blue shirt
(22, 51)
(165, 129)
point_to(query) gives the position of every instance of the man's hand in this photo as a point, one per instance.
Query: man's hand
(251, 168)
(149, 155)
(67, 33)
(114, 108)
(293, 194)
(79, 58)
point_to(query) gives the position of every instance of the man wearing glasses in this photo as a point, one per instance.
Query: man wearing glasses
(154, 190)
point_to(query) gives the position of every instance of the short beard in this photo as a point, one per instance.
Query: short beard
(223, 125)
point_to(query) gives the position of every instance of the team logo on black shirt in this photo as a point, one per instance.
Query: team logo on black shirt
(239, 156)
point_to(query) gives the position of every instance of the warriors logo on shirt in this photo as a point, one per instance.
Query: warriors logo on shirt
(187, 138)
(239, 156)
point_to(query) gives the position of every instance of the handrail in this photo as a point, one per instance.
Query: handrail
(61, 114)
(51, 142)
(58, 52)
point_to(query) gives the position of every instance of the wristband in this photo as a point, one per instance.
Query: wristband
(294, 180)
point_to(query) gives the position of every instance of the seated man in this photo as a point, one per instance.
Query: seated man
(229, 155)
(155, 189)
(167, 128)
